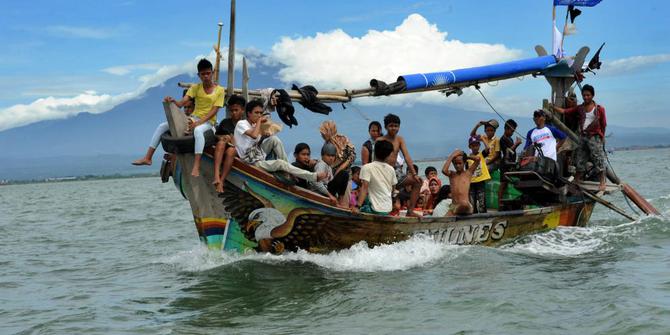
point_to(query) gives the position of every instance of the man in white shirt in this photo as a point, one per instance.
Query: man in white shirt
(247, 135)
(547, 137)
(377, 181)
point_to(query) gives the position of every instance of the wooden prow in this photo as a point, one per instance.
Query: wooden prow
(638, 200)
(177, 120)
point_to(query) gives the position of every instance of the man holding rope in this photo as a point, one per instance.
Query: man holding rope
(592, 125)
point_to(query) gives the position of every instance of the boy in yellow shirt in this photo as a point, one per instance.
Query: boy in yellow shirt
(491, 142)
(208, 97)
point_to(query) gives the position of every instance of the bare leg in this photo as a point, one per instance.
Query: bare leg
(146, 160)
(414, 196)
(229, 157)
(196, 166)
(218, 158)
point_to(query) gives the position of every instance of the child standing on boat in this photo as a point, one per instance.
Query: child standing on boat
(459, 181)
(378, 179)
(479, 177)
(398, 157)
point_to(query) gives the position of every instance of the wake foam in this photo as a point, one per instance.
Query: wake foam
(415, 252)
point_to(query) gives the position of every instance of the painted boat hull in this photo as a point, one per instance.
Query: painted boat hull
(258, 213)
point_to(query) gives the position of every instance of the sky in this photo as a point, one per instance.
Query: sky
(61, 58)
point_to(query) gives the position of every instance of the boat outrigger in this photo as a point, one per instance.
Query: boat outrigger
(259, 212)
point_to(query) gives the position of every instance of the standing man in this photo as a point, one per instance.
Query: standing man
(592, 124)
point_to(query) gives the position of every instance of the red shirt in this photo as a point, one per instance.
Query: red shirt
(599, 124)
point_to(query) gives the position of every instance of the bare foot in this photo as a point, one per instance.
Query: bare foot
(321, 176)
(602, 187)
(195, 173)
(218, 185)
(142, 161)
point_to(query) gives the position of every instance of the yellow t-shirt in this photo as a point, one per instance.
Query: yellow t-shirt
(204, 101)
(482, 171)
(493, 144)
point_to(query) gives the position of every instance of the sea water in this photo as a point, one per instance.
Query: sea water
(122, 257)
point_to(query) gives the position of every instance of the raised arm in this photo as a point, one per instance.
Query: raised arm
(473, 132)
(255, 132)
(447, 164)
(179, 103)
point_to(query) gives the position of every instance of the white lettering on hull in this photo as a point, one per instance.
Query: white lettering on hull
(469, 234)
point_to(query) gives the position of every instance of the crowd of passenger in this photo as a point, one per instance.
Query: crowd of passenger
(387, 182)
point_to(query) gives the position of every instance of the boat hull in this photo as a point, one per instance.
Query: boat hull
(259, 213)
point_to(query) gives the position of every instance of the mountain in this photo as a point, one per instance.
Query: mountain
(106, 143)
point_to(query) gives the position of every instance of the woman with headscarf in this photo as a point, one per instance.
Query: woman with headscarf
(345, 156)
(434, 185)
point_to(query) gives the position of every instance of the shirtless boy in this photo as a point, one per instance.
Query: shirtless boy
(392, 125)
(460, 181)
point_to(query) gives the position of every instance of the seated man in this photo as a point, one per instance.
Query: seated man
(459, 181)
(160, 130)
(225, 146)
(377, 182)
(247, 135)
(208, 97)
(491, 142)
(548, 138)
(331, 186)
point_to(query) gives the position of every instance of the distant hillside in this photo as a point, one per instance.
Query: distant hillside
(105, 143)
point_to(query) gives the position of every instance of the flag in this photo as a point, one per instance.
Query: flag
(595, 62)
(557, 48)
(574, 12)
(584, 3)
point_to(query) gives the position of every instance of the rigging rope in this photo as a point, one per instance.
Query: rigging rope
(501, 117)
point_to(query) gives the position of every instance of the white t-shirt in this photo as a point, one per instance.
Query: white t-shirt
(381, 178)
(242, 141)
(546, 138)
(589, 117)
(442, 208)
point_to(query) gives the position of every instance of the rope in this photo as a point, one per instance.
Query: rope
(365, 117)
(501, 117)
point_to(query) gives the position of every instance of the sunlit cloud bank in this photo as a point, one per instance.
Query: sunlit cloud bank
(337, 60)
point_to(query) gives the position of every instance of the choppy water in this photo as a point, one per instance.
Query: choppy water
(122, 256)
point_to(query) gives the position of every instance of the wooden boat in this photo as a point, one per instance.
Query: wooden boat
(258, 212)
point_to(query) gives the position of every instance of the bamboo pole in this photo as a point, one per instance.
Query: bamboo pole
(231, 50)
(245, 79)
(218, 55)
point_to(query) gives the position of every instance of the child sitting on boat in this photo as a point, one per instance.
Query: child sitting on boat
(247, 136)
(225, 146)
(378, 179)
(459, 181)
(302, 154)
(332, 186)
(375, 131)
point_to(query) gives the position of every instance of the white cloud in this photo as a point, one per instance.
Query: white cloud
(80, 32)
(337, 60)
(634, 63)
(123, 70)
(51, 108)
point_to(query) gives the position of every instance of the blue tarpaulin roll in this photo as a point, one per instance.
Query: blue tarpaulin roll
(481, 73)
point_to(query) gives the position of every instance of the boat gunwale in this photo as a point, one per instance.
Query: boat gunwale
(267, 179)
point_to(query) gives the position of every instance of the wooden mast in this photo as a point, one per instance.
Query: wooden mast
(217, 49)
(231, 51)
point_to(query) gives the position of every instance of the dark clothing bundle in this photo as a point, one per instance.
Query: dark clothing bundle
(310, 101)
